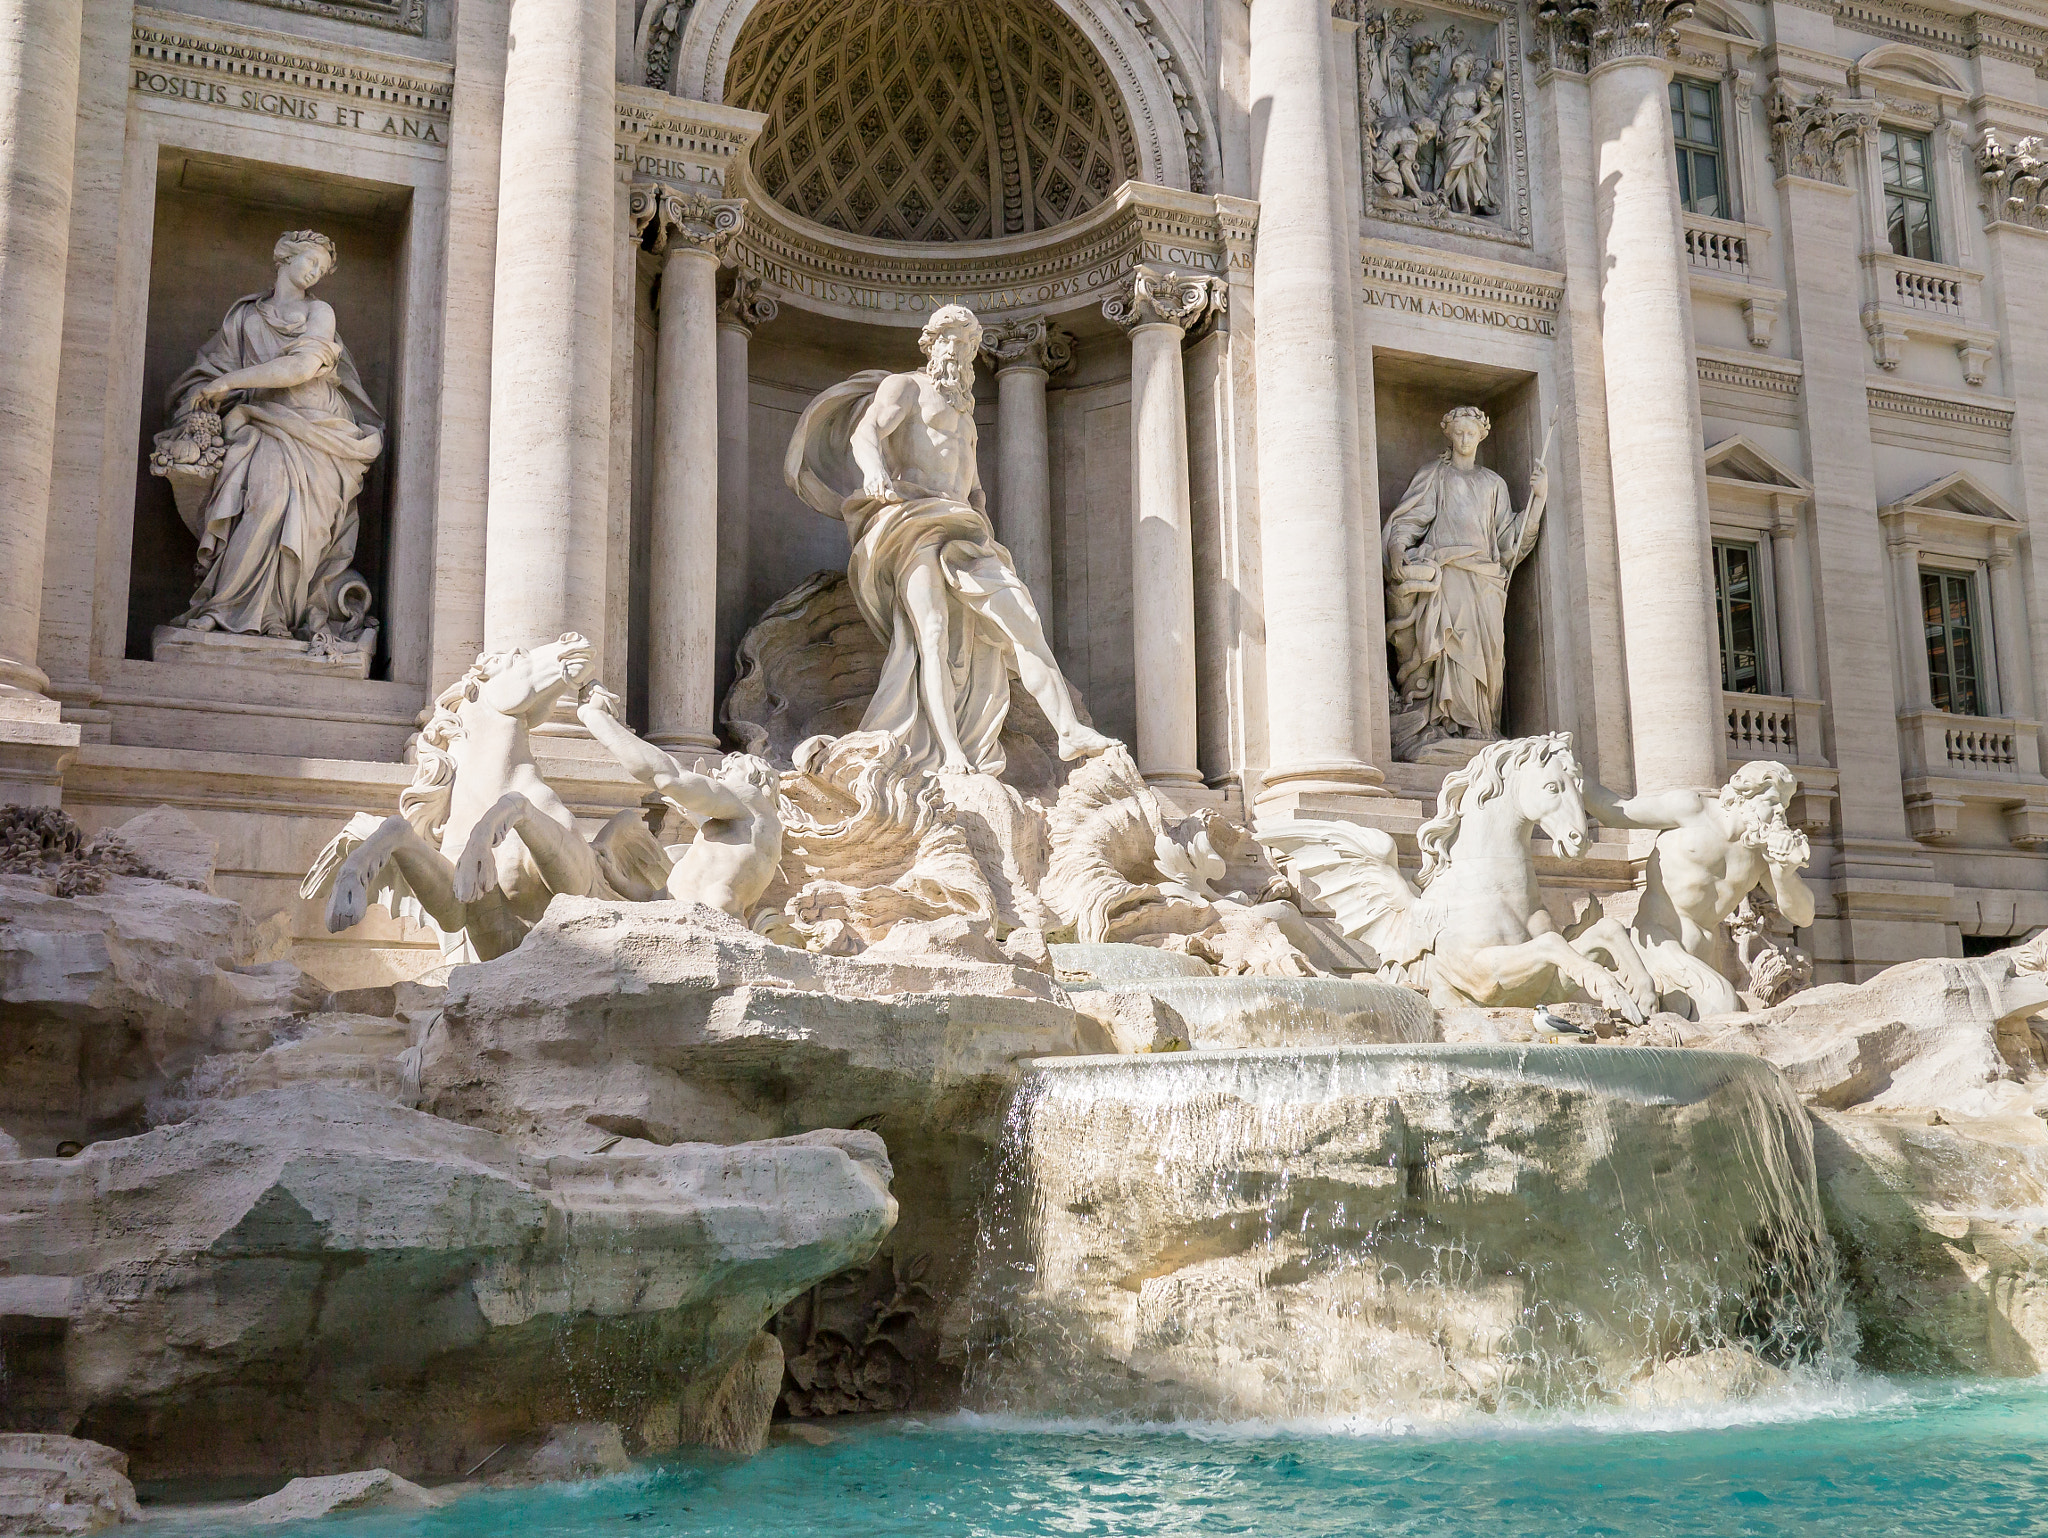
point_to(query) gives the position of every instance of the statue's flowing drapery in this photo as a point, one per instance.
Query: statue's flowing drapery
(1452, 632)
(888, 539)
(279, 525)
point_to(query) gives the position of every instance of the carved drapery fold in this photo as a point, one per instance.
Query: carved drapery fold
(1151, 296)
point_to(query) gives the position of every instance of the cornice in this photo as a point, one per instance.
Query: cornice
(1938, 410)
(1065, 268)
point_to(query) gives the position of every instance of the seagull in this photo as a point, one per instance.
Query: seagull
(1557, 1025)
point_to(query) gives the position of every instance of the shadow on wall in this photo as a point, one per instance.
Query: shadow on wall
(216, 222)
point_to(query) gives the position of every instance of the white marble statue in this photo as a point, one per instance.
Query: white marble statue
(1476, 931)
(736, 811)
(1711, 852)
(270, 437)
(1450, 546)
(1432, 116)
(482, 843)
(893, 455)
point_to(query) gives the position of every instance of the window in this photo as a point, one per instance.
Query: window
(1696, 126)
(1908, 193)
(1950, 609)
(1735, 599)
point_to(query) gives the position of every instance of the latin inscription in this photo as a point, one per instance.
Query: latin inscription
(284, 104)
(1453, 309)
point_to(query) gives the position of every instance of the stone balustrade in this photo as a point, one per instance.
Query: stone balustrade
(1993, 747)
(1714, 246)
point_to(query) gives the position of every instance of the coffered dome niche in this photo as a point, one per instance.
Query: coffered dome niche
(930, 120)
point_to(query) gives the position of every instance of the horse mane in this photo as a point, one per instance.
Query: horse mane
(1479, 782)
(424, 803)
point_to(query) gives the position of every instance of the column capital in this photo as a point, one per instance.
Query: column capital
(744, 307)
(1036, 343)
(1811, 139)
(1153, 296)
(1585, 34)
(664, 219)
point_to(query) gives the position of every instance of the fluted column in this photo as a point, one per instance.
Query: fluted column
(1653, 410)
(551, 331)
(689, 231)
(1157, 309)
(1311, 520)
(744, 308)
(1025, 355)
(39, 42)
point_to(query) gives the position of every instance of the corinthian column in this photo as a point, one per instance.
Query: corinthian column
(1311, 518)
(1653, 408)
(689, 231)
(38, 117)
(551, 332)
(1157, 309)
(738, 314)
(1026, 354)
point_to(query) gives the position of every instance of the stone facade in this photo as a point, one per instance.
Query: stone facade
(1756, 284)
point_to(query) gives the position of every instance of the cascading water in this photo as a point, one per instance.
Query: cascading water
(1397, 1231)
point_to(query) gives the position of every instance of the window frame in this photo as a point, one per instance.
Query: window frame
(1758, 545)
(1929, 197)
(1721, 150)
(1972, 574)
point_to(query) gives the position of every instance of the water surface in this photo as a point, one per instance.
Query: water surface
(1865, 1460)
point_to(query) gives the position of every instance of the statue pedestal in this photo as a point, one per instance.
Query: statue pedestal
(272, 654)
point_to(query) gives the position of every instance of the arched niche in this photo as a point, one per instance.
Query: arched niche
(1170, 151)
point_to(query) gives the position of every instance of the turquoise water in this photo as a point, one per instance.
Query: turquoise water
(1861, 1461)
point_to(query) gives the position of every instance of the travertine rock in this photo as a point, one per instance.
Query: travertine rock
(1939, 1228)
(1394, 1230)
(314, 1279)
(663, 1022)
(170, 843)
(108, 998)
(1920, 1035)
(53, 1484)
(322, 1495)
(585, 1450)
(735, 1417)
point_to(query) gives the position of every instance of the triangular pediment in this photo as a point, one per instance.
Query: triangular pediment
(1958, 492)
(1740, 459)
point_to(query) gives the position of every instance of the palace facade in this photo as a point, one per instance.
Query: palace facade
(1759, 286)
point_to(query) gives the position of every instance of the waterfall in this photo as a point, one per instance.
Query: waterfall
(1403, 1230)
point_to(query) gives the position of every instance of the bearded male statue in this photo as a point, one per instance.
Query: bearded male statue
(892, 455)
(1711, 852)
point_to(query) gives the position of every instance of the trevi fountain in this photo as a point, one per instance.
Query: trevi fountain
(1023, 767)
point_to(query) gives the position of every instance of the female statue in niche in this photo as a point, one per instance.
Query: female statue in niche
(271, 436)
(1451, 546)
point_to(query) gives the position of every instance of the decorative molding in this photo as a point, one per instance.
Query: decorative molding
(689, 145)
(1152, 297)
(1811, 139)
(745, 306)
(661, 28)
(665, 219)
(1069, 267)
(1401, 283)
(1749, 376)
(1939, 413)
(1033, 343)
(1749, 389)
(1510, 220)
(1183, 98)
(2014, 173)
(216, 64)
(407, 16)
(1604, 31)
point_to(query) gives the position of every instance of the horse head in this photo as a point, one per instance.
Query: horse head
(1550, 790)
(1535, 778)
(524, 684)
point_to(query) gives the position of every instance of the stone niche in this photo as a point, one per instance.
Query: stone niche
(1411, 393)
(216, 222)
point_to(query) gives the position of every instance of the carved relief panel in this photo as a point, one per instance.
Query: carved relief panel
(1441, 124)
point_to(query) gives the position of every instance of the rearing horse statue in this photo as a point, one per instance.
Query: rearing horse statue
(1477, 931)
(481, 842)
